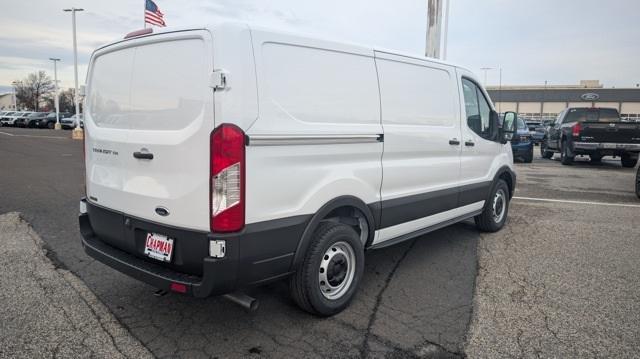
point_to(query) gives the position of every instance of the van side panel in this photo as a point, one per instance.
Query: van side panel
(233, 54)
(318, 132)
(420, 115)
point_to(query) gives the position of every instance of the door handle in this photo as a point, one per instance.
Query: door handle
(454, 141)
(143, 155)
(469, 143)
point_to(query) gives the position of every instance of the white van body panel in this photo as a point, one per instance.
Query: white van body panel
(323, 120)
(316, 134)
(420, 114)
(481, 162)
(237, 103)
(136, 103)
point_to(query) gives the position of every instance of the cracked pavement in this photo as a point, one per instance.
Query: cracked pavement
(559, 281)
(415, 299)
(47, 312)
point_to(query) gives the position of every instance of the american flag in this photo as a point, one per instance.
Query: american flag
(153, 15)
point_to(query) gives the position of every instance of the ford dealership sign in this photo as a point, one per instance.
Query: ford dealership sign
(590, 96)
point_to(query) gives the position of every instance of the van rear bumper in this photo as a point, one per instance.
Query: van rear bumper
(261, 253)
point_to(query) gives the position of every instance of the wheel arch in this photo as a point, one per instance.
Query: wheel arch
(508, 175)
(332, 209)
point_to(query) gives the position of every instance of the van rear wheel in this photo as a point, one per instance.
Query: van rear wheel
(327, 280)
(495, 212)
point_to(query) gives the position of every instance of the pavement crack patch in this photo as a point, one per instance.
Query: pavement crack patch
(364, 350)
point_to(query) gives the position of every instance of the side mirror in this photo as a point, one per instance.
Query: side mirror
(508, 126)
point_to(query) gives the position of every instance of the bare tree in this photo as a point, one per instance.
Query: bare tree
(65, 101)
(32, 89)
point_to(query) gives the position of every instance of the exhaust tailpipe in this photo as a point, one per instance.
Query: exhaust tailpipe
(245, 301)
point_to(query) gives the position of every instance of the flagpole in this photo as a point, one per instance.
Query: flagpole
(144, 14)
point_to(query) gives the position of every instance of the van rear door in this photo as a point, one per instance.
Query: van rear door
(148, 117)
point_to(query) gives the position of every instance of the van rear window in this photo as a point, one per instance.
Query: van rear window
(159, 86)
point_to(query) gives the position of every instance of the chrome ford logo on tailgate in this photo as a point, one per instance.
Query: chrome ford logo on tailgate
(590, 96)
(162, 211)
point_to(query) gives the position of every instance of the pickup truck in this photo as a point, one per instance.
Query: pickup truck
(596, 132)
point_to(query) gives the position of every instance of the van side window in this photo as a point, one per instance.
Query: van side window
(477, 109)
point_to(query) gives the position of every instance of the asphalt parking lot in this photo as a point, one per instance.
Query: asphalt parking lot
(559, 281)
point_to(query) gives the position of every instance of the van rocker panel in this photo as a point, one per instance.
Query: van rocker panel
(258, 254)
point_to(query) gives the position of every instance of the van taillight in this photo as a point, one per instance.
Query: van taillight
(576, 129)
(227, 179)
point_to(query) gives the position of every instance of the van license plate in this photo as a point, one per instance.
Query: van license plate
(609, 145)
(158, 246)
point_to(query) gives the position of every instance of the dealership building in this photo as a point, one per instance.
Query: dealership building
(545, 102)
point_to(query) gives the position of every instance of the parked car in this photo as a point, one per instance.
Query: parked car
(31, 120)
(12, 120)
(521, 143)
(538, 131)
(204, 202)
(71, 122)
(596, 132)
(50, 120)
(5, 118)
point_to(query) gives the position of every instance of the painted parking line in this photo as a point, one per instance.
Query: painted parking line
(33, 136)
(577, 202)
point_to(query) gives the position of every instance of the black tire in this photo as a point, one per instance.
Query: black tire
(565, 158)
(490, 220)
(528, 158)
(544, 150)
(596, 158)
(638, 183)
(51, 125)
(305, 284)
(628, 161)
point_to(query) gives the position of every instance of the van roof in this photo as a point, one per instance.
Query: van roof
(230, 25)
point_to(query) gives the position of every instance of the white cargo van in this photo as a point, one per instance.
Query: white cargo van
(226, 157)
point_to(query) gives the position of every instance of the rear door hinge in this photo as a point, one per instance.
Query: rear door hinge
(219, 80)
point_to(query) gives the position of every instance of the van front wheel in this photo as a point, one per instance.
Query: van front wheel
(494, 214)
(328, 278)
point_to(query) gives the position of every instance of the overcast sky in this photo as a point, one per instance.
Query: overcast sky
(533, 41)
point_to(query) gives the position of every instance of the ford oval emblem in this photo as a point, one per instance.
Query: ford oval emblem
(590, 96)
(162, 211)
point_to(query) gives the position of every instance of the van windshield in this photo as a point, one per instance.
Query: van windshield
(143, 88)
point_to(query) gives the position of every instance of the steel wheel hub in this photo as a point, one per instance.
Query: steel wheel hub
(337, 270)
(499, 205)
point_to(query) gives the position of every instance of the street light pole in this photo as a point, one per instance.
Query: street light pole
(434, 28)
(485, 69)
(15, 100)
(500, 92)
(446, 31)
(75, 63)
(55, 100)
